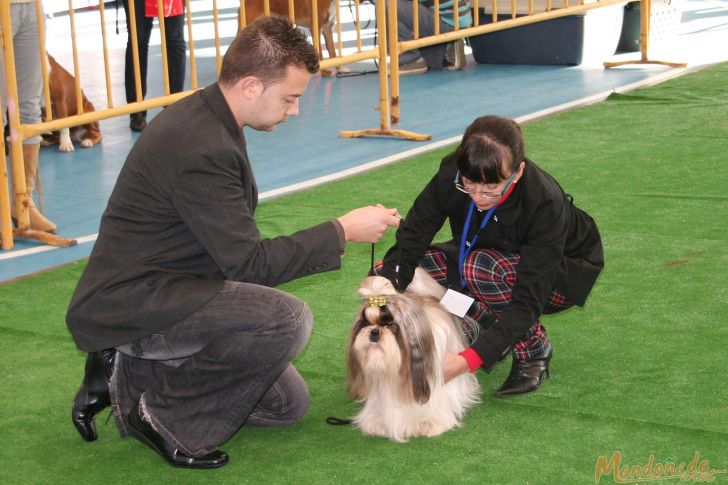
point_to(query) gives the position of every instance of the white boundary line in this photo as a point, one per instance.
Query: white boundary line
(289, 189)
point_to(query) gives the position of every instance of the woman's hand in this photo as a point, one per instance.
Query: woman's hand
(453, 366)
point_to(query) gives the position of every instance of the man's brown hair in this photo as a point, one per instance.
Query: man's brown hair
(265, 48)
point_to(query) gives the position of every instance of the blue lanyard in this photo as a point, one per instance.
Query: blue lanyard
(467, 246)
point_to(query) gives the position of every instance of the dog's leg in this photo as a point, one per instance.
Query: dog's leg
(326, 19)
(65, 144)
(60, 98)
(92, 133)
(328, 32)
(431, 428)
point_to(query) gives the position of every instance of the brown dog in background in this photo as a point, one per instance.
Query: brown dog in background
(302, 11)
(62, 87)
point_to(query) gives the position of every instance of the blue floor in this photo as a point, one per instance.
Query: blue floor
(76, 185)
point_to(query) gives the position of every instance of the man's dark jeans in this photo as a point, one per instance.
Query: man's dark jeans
(226, 365)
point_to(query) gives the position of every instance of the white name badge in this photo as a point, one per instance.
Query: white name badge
(456, 303)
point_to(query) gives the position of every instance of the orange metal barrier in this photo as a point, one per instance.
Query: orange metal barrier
(380, 51)
(22, 132)
(532, 16)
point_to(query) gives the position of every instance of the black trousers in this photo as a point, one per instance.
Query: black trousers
(176, 50)
(226, 365)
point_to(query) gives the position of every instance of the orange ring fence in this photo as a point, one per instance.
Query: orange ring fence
(238, 13)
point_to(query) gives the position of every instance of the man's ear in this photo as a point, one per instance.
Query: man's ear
(250, 86)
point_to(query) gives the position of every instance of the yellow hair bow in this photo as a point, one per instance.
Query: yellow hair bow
(376, 300)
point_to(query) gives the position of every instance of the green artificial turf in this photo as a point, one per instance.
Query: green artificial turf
(639, 370)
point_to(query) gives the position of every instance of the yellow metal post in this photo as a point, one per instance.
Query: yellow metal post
(107, 67)
(216, 21)
(191, 45)
(6, 225)
(76, 70)
(20, 193)
(44, 60)
(392, 34)
(163, 38)
(384, 99)
(131, 24)
(20, 197)
(645, 15)
(315, 33)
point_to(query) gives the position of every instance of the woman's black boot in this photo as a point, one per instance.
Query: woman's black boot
(526, 375)
(93, 395)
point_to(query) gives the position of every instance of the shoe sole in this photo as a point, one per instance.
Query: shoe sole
(138, 435)
(412, 72)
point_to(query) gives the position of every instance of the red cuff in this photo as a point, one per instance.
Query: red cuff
(472, 358)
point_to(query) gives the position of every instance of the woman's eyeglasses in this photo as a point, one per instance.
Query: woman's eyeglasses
(489, 195)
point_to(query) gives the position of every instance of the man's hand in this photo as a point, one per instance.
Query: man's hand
(453, 366)
(368, 224)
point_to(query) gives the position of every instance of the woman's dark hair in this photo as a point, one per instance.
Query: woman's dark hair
(491, 149)
(265, 48)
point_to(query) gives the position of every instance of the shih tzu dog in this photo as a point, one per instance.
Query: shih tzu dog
(395, 358)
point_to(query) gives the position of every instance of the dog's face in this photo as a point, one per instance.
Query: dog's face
(390, 340)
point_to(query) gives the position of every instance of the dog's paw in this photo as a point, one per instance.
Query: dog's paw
(430, 428)
(372, 429)
(65, 146)
(86, 143)
(327, 73)
(343, 70)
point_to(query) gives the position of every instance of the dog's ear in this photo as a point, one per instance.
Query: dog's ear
(421, 373)
(418, 348)
(357, 383)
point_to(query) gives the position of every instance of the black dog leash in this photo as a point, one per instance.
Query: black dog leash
(371, 265)
(337, 421)
(332, 420)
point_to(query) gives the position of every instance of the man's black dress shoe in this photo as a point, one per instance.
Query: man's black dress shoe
(93, 395)
(144, 432)
(526, 375)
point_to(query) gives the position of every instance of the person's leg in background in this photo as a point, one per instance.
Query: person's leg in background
(425, 58)
(144, 26)
(176, 52)
(26, 45)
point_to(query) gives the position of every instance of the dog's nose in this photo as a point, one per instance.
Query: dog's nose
(374, 335)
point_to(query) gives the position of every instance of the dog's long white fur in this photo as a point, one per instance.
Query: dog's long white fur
(378, 370)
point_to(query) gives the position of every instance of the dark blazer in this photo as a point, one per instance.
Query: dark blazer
(178, 223)
(559, 245)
